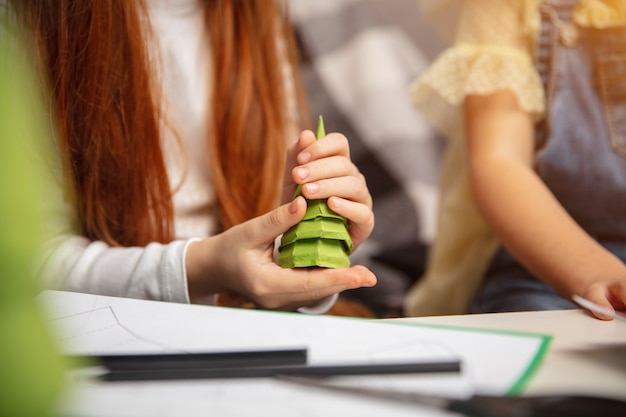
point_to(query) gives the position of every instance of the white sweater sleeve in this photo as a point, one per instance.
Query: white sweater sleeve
(72, 262)
(154, 272)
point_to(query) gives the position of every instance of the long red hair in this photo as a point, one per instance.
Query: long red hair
(94, 55)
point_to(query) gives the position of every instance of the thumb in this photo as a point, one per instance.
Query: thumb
(267, 227)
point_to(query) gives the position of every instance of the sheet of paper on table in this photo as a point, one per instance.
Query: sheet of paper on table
(492, 362)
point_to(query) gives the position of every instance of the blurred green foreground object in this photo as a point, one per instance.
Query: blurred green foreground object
(320, 239)
(31, 371)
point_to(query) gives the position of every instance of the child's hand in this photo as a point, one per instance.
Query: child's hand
(324, 169)
(241, 260)
(611, 295)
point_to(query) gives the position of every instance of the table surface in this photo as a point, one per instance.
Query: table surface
(586, 355)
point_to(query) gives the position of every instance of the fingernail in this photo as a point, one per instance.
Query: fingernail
(312, 188)
(304, 157)
(293, 207)
(302, 173)
(335, 202)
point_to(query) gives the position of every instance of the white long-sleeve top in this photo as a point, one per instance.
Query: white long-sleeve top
(156, 271)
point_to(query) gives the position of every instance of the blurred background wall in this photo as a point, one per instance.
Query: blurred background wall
(358, 59)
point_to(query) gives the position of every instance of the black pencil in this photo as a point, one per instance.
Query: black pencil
(205, 360)
(270, 371)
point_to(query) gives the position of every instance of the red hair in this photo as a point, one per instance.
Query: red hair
(94, 54)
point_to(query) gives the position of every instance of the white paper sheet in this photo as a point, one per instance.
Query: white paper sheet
(492, 362)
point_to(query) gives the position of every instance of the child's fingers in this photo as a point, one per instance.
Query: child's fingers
(265, 228)
(330, 145)
(360, 216)
(349, 188)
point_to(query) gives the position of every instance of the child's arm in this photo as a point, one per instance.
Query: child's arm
(529, 220)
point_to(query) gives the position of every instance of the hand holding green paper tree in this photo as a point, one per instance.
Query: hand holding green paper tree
(320, 239)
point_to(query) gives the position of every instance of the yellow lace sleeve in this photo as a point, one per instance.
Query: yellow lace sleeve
(492, 52)
(601, 13)
(472, 69)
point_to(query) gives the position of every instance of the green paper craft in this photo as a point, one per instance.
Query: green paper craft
(328, 253)
(320, 239)
(321, 132)
(319, 208)
(325, 228)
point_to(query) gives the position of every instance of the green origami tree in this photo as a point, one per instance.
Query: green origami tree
(320, 239)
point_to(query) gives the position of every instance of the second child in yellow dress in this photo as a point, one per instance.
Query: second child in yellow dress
(534, 191)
